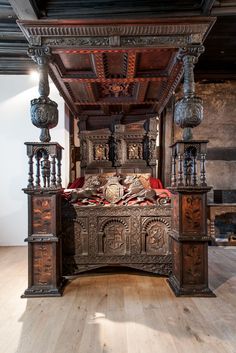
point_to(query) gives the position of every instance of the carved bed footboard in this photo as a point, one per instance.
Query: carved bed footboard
(132, 236)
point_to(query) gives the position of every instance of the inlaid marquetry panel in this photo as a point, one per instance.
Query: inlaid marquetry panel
(42, 254)
(175, 210)
(193, 263)
(41, 215)
(176, 258)
(192, 211)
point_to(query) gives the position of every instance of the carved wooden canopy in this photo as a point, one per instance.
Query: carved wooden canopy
(104, 68)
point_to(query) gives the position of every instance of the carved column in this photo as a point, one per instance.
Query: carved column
(115, 141)
(44, 113)
(189, 193)
(44, 193)
(149, 142)
(189, 109)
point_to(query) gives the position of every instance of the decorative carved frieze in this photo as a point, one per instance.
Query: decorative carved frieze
(194, 30)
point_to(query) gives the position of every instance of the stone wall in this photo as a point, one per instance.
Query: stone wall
(219, 127)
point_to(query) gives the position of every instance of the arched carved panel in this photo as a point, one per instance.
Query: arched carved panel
(155, 237)
(114, 239)
(75, 242)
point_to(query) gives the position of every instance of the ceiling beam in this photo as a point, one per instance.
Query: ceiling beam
(224, 11)
(113, 80)
(117, 102)
(24, 9)
(207, 6)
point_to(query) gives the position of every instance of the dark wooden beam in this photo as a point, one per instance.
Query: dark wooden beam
(116, 101)
(215, 75)
(142, 91)
(207, 6)
(113, 80)
(24, 9)
(15, 65)
(224, 11)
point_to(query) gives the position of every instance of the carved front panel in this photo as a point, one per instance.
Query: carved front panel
(75, 240)
(135, 151)
(192, 214)
(101, 151)
(41, 215)
(193, 263)
(114, 239)
(42, 255)
(156, 242)
(155, 235)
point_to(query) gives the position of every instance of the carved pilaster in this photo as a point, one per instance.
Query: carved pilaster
(189, 109)
(115, 141)
(189, 220)
(150, 149)
(44, 113)
(44, 227)
(44, 244)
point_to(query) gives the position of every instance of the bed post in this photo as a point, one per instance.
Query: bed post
(44, 192)
(189, 189)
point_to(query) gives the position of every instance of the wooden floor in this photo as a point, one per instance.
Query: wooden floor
(119, 313)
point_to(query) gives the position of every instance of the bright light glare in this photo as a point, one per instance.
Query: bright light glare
(34, 76)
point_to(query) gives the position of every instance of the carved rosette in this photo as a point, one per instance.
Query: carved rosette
(44, 112)
(189, 109)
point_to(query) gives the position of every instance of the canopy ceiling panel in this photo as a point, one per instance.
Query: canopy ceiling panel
(126, 67)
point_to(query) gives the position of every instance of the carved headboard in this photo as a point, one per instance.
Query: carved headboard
(121, 148)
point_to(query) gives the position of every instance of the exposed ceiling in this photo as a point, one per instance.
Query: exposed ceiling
(130, 81)
(108, 68)
(218, 62)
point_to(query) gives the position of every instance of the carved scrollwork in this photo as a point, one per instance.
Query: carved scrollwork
(40, 55)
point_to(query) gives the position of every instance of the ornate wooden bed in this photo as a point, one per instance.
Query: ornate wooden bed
(65, 238)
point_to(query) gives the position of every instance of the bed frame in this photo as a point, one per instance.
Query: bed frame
(134, 236)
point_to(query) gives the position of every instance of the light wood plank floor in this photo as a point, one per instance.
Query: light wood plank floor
(119, 313)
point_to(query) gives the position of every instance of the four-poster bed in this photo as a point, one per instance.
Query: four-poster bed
(101, 69)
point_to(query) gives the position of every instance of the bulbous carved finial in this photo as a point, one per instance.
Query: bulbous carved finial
(44, 112)
(189, 109)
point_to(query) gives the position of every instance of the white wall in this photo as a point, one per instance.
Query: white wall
(15, 129)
